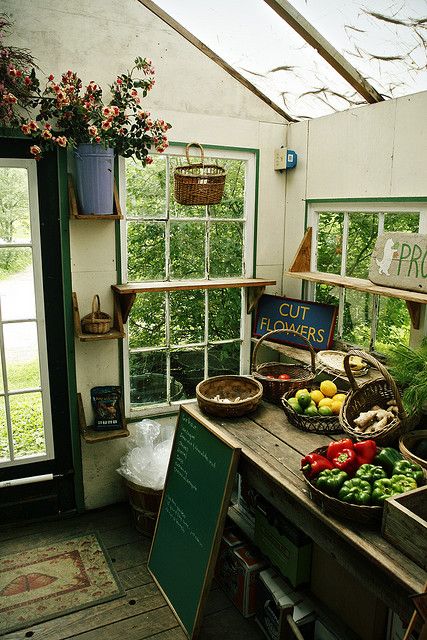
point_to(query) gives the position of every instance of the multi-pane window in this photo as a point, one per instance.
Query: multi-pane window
(343, 240)
(25, 418)
(176, 338)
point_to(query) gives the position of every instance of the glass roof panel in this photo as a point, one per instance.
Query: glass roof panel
(384, 40)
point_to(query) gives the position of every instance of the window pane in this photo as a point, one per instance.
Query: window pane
(187, 367)
(232, 203)
(147, 320)
(357, 318)
(327, 294)
(148, 381)
(17, 284)
(146, 188)
(187, 250)
(27, 424)
(224, 314)
(402, 222)
(226, 249)
(21, 349)
(4, 443)
(187, 317)
(182, 210)
(224, 359)
(329, 242)
(146, 253)
(394, 324)
(14, 206)
(362, 235)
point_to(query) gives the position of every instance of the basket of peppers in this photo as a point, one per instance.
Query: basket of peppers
(352, 479)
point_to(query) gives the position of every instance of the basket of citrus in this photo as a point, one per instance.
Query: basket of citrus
(315, 409)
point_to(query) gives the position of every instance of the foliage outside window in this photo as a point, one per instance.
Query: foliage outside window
(344, 239)
(177, 338)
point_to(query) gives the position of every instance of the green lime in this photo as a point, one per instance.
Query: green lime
(325, 411)
(299, 392)
(304, 400)
(293, 403)
(311, 411)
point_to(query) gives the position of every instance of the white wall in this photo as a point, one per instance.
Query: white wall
(375, 151)
(99, 39)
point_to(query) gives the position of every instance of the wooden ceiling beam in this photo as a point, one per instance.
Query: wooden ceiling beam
(292, 17)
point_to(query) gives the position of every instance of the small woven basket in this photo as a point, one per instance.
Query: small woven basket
(333, 363)
(362, 514)
(376, 392)
(243, 392)
(198, 183)
(326, 425)
(300, 374)
(97, 321)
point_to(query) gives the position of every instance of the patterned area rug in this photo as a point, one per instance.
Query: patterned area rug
(50, 581)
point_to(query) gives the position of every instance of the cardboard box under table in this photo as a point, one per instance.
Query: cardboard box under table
(237, 567)
(286, 546)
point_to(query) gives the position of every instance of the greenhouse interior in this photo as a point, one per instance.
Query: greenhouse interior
(213, 328)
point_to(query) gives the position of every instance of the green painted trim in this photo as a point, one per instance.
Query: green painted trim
(394, 199)
(216, 146)
(64, 220)
(255, 246)
(118, 255)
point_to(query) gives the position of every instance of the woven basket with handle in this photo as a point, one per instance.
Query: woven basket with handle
(300, 374)
(97, 321)
(375, 392)
(198, 183)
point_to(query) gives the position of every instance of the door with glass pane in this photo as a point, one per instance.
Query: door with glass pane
(25, 413)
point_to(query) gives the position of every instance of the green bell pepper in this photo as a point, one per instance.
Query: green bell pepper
(410, 469)
(403, 483)
(388, 487)
(387, 458)
(331, 480)
(370, 472)
(355, 491)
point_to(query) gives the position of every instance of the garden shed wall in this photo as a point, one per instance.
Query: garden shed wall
(203, 102)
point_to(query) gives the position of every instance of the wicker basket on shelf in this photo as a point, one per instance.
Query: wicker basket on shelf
(369, 514)
(323, 425)
(96, 322)
(300, 374)
(376, 392)
(198, 183)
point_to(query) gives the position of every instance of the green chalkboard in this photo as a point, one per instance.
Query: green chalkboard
(191, 519)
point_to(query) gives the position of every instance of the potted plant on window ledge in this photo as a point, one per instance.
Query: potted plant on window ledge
(69, 115)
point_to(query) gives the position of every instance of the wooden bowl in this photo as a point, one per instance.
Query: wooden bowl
(408, 441)
(243, 392)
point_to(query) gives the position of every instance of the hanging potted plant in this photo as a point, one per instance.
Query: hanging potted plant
(70, 115)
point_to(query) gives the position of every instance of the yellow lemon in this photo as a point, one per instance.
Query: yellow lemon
(336, 406)
(316, 395)
(325, 402)
(328, 388)
(339, 396)
(299, 392)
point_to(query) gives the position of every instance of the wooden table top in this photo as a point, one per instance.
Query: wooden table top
(271, 452)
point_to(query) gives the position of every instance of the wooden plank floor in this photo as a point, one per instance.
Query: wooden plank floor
(142, 612)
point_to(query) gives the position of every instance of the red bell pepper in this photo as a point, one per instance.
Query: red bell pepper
(314, 463)
(365, 451)
(346, 461)
(335, 448)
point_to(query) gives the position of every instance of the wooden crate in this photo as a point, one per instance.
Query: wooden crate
(404, 524)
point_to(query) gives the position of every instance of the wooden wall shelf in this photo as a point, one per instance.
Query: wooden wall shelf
(300, 269)
(74, 212)
(115, 333)
(91, 435)
(125, 293)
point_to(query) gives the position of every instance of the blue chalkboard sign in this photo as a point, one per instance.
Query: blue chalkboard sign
(313, 320)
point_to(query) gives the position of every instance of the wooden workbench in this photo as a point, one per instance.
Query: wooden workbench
(272, 449)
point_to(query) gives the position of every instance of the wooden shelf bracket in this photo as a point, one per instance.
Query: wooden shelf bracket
(74, 210)
(115, 333)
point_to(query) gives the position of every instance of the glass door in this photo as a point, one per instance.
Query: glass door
(25, 411)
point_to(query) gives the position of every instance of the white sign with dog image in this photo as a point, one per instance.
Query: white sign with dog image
(400, 260)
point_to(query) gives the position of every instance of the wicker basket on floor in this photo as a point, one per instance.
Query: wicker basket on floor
(96, 322)
(375, 392)
(198, 183)
(300, 374)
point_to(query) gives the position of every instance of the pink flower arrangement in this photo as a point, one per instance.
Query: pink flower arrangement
(70, 114)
